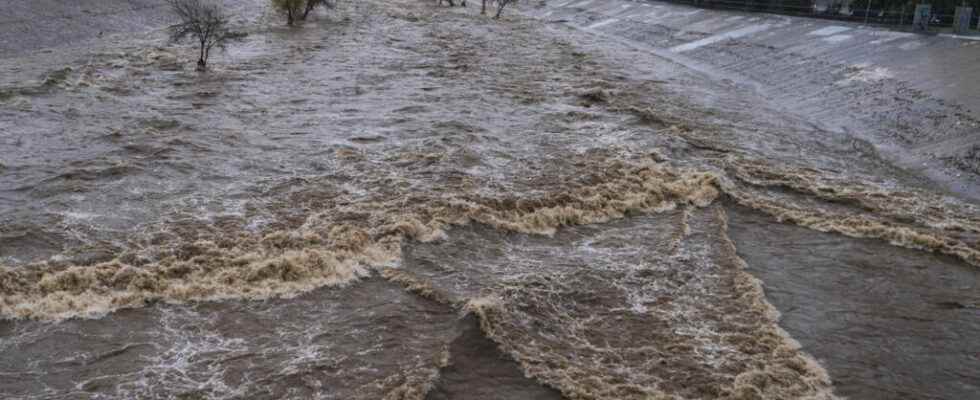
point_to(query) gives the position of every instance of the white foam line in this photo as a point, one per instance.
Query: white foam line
(836, 38)
(961, 37)
(603, 23)
(915, 44)
(829, 30)
(717, 38)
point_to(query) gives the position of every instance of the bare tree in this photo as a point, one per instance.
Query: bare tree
(292, 9)
(203, 20)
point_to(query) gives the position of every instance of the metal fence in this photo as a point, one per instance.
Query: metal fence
(871, 15)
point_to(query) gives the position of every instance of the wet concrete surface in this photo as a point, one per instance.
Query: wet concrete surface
(910, 95)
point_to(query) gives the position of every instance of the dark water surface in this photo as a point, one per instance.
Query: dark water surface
(888, 323)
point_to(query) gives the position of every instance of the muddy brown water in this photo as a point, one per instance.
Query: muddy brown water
(477, 370)
(343, 343)
(402, 201)
(871, 313)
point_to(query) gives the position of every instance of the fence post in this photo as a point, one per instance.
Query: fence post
(923, 13)
(962, 19)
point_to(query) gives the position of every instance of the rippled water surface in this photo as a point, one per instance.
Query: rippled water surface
(403, 201)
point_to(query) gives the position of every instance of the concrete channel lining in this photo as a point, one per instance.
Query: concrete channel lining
(915, 96)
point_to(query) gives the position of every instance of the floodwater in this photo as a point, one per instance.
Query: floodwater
(403, 201)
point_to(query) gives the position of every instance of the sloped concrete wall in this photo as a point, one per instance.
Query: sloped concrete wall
(916, 97)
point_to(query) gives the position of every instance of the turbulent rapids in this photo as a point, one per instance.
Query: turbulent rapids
(403, 201)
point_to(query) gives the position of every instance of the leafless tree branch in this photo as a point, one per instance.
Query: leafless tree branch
(204, 21)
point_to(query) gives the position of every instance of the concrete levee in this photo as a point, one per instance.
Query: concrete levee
(915, 96)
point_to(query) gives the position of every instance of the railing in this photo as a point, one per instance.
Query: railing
(901, 17)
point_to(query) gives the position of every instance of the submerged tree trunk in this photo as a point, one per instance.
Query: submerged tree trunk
(310, 5)
(202, 62)
(207, 56)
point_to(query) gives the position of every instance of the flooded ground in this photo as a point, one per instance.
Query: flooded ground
(888, 323)
(403, 201)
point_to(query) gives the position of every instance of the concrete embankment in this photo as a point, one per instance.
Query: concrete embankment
(915, 97)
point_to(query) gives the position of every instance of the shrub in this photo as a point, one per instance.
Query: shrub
(298, 9)
(292, 9)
